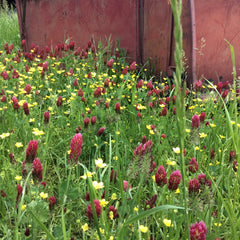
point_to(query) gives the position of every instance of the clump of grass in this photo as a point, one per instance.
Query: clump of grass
(9, 28)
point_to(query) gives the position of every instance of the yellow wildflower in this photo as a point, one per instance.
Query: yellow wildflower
(99, 163)
(143, 229)
(4, 135)
(167, 222)
(43, 195)
(202, 135)
(114, 196)
(85, 227)
(98, 185)
(24, 207)
(176, 150)
(103, 202)
(18, 178)
(18, 144)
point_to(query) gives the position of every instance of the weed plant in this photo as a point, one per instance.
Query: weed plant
(9, 28)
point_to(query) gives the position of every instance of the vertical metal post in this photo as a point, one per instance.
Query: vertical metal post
(141, 29)
(23, 19)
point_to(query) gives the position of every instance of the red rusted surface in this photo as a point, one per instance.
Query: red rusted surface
(52, 22)
(216, 21)
(157, 33)
(144, 27)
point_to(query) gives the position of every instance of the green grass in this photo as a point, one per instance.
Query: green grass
(173, 212)
(9, 28)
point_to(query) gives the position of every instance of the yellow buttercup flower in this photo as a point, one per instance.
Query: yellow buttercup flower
(98, 185)
(18, 178)
(37, 132)
(177, 191)
(171, 163)
(24, 207)
(103, 202)
(143, 229)
(4, 135)
(202, 135)
(99, 163)
(88, 174)
(43, 195)
(167, 222)
(85, 227)
(114, 196)
(18, 144)
(177, 150)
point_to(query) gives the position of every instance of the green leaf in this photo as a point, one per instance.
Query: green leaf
(146, 214)
(44, 228)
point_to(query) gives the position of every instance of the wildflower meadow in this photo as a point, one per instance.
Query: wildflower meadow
(93, 146)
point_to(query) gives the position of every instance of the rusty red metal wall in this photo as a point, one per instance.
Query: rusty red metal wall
(144, 27)
(157, 33)
(52, 22)
(216, 21)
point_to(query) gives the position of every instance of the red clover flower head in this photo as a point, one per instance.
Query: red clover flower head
(19, 192)
(174, 180)
(198, 85)
(80, 92)
(232, 155)
(198, 231)
(27, 89)
(45, 66)
(75, 83)
(3, 99)
(86, 122)
(97, 92)
(125, 70)
(52, 201)
(37, 170)
(161, 176)
(193, 166)
(139, 84)
(202, 178)
(31, 151)
(25, 108)
(76, 147)
(46, 117)
(219, 87)
(224, 94)
(126, 185)
(110, 63)
(59, 101)
(193, 186)
(195, 121)
(3, 194)
(97, 207)
(132, 66)
(202, 117)
(100, 131)
(174, 99)
(106, 82)
(149, 85)
(151, 203)
(235, 166)
(4, 75)
(117, 108)
(93, 120)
